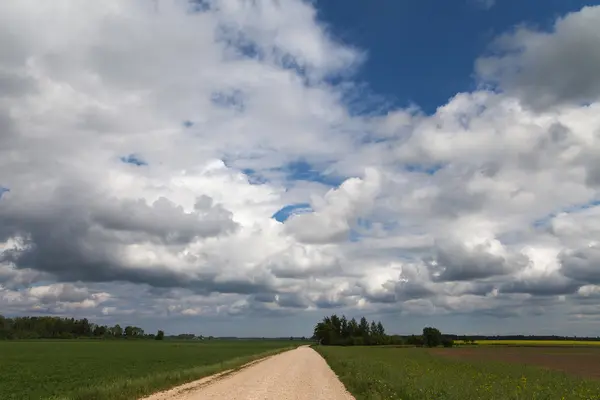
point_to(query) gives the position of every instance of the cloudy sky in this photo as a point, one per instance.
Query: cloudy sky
(237, 167)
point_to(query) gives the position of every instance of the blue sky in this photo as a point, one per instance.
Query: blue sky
(134, 159)
(423, 51)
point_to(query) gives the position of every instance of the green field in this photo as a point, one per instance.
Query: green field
(372, 373)
(121, 369)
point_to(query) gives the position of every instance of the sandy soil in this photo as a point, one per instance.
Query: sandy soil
(300, 374)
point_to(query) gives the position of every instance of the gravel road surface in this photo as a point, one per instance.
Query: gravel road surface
(300, 374)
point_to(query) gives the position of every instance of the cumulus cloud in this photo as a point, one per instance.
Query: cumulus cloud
(337, 212)
(53, 298)
(549, 68)
(462, 261)
(582, 264)
(145, 147)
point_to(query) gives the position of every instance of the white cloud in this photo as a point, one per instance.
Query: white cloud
(531, 62)
(484, 206)
(54, 298)
(336, 213)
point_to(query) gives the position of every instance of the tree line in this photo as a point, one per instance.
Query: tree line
(339, 331)
(335, 330)
(68, 328)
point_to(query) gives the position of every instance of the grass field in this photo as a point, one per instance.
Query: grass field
(372, 373)
(115, 370)
(525, 343)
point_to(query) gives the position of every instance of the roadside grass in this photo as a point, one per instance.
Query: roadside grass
(416, 374)
(117, 370)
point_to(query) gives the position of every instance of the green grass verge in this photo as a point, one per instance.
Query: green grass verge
(416, 374)
(116, 370)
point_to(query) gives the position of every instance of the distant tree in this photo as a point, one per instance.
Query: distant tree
(374, 338)
(468, 340)
(336, 325)
(353, 328)
(432, 337)
(129, 331)
(334, 330)
(186, 336)
(99, 331)
(396, 340)
(363, 327)
(117, 331)
(60, 328)
(447, 342)
(344, 331)
(160, 335)
(324, 332)
(81, 327)
(5, 328)
(358, 341)
(373, 328)
(380, 329)
(415, 340)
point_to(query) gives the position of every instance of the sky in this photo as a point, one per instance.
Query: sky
(244, 168)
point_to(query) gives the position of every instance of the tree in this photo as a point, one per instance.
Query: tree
(363, 327)
(373, 328)
(380, 329)
(353, 328)
(61, 328)
(344, 331)
(432, 337)
(336, 325)
(99, 331)
(324, 332)
(5, 328)
(129, 331)
(415, 340)
(334, 330)
(117, 331)
(160, 335)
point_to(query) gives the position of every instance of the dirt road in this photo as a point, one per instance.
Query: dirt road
(300, 374)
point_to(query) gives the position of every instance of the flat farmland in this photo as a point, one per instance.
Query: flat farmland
(579, 361)
(536, 343)
(115, 370)
(372, 373)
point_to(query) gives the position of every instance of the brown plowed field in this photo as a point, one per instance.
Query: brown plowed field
(580, 361)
